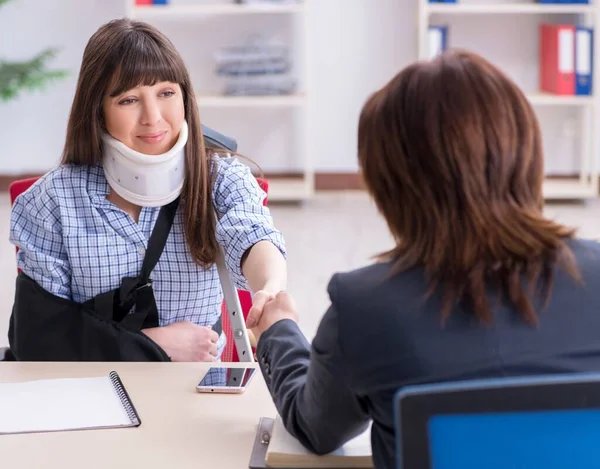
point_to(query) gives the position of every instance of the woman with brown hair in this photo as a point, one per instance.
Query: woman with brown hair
(479, 283)
(135, 171)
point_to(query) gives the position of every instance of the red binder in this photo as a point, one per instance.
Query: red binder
(557, 58)
(143, 2)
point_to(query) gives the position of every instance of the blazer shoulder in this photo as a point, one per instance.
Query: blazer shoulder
(355, 286)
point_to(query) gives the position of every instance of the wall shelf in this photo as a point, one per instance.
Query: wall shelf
(280, 189)
(585, 185)
(557, 189)
(185, 11)
(290, 189)
(547, 99)
(216, 101)
(508, 8)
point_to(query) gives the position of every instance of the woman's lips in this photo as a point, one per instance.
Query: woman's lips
(153, 138)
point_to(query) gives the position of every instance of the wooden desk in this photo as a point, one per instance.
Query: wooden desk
(180, 428)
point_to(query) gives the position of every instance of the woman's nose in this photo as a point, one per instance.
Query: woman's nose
(151, 114)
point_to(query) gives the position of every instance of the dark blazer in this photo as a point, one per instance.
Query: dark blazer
(380, 334)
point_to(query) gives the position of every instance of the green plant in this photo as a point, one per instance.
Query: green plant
(29, 75)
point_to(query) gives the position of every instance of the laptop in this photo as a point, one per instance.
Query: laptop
(550, 422)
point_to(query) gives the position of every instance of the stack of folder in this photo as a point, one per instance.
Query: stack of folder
(256, 69)
(566, 59)
(151, 2)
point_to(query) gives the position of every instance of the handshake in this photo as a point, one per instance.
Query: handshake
(267, 309)
(187, 342)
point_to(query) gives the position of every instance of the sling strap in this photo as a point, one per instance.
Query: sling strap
(138, 291)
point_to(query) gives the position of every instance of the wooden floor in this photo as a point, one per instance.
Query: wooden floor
(335, 231)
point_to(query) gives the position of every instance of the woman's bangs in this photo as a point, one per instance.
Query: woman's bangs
(141, 62)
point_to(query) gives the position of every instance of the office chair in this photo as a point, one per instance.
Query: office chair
(529, 422)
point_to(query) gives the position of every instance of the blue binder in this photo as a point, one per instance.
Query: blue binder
(437, 40)
(584, 60)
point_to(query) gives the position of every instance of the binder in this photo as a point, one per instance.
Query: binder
(557, 59)
(260, 449)
(143, 2)
(437, 40)
(584, 57)
(66, 404)
(261, 443)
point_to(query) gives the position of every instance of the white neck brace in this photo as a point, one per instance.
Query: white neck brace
(145, 180)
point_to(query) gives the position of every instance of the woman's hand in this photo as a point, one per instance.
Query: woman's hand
(185, 341)
(259, 300)
(282, 306)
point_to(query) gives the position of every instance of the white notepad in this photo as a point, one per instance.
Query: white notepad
(285, 451)
(66, 404)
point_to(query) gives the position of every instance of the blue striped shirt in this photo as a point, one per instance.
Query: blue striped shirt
(76, 244)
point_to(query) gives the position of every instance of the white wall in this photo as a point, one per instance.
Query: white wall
(355, 47)
(32, 129)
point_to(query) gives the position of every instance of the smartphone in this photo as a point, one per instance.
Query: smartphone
(221, 379)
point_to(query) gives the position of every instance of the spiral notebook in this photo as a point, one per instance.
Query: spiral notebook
(52, 405)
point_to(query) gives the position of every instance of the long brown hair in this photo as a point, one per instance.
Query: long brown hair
(121, 55)
(451, 151)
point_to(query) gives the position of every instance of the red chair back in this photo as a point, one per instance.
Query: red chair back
(16, 188)
(229, 353)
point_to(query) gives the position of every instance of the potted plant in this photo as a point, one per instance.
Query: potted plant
(27, 75)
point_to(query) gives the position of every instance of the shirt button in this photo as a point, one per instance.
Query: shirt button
(142, 250)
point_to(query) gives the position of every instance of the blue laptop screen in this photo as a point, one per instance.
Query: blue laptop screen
(556, 439)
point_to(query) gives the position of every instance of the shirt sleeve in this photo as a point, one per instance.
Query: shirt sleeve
(36, 230)
(243, 219)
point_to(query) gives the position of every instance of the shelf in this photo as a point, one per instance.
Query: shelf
(568, 189)
(251, 101)
(475, 8)
(546, 99)
(185, 11)
(289, 189)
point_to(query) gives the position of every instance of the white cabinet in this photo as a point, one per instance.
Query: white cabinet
(585, 184)
(293, 107)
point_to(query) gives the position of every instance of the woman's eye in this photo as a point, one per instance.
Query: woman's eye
(168, 94)
(126, 101)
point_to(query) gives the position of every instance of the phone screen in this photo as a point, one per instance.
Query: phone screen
(227, 377)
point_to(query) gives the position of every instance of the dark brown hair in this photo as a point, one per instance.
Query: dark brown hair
(121, 55)
(451, 151)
